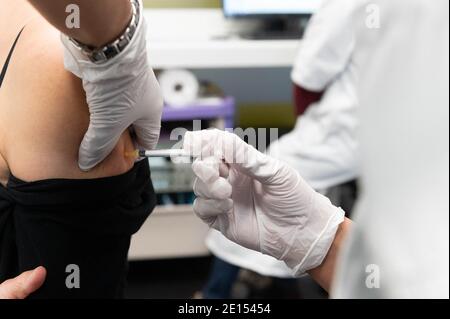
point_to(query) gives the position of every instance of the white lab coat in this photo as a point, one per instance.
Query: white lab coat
(323, 145)
(401, 241)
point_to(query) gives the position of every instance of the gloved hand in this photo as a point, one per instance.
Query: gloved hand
(259, 202)
(121, 93)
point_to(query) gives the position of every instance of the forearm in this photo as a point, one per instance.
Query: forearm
(101, 21)
(324, 274)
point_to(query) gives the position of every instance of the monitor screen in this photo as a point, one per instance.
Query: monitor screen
(269, 7)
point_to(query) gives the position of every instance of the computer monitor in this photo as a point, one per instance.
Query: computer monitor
(268, 8)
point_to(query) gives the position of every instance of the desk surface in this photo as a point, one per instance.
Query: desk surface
(223, 54)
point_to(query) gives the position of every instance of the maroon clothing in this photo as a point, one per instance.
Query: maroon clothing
(303, 98)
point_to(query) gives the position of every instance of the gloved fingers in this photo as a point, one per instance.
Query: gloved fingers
(207, 170)
(147, 133)
(211, 208)
(234, 152)
(218, 189)
(201, 144)
(98, 142)
(224, 170)
(148, 112)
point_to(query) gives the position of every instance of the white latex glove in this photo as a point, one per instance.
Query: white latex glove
(259, 202)
(122, 93)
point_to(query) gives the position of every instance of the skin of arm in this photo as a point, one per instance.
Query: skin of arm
(324, 274)
(42, 126)
(102, 21)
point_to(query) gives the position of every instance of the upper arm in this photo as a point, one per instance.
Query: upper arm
(327, 46)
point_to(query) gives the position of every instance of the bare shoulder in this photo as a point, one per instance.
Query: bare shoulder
(39, 65)
(45, 114)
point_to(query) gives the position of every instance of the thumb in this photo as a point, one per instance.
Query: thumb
(147, 133)
(98, 143)
(234, 151)
(23, 285)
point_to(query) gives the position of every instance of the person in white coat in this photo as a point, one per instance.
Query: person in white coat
(322, 146)
(398, 245)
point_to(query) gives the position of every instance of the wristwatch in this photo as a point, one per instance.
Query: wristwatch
(109, 51)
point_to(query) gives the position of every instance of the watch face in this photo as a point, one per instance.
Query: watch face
(122, 43)
(110, 52)
(97, 57)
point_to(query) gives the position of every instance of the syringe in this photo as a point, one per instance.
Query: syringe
(158, 153)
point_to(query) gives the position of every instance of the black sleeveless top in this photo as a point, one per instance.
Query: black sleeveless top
(79, 230)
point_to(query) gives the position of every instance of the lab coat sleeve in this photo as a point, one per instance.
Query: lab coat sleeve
(327, 46)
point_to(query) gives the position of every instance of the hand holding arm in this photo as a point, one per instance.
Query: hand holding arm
(122, 92)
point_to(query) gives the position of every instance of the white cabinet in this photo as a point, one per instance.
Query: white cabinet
(170, 232)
